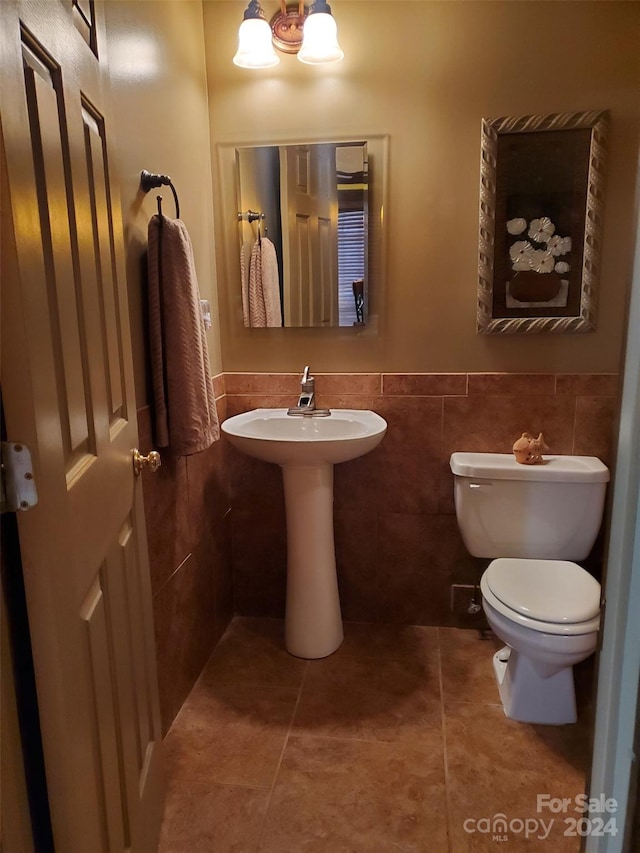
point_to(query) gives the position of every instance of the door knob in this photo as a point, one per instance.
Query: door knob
(152, 461)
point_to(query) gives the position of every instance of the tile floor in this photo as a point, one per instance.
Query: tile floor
(387, 746)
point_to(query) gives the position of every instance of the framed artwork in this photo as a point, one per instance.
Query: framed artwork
(542, 183)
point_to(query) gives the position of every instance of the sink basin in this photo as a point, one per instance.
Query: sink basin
(307, 448)
(274, 436)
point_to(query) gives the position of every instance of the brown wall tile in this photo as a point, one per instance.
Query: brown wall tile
(209, 498)
(492, 424)
(185, 631)
(221, 406)
(357, 564)
(588, 384)
(218, 385)
(446, 504)
(348, 401)
(511, 383)
(259, 550)
(253, 484)
(424, 384)
(238, 403)
(357, 484)
(347, 383)
(594, 431)
(186, 508)
(262, 383)
(166, 508)
(412, 422)
(167, 516)
(222, 574)
(409, 481)
(420, 557)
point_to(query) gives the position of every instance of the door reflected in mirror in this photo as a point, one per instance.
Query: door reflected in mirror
(303, 222)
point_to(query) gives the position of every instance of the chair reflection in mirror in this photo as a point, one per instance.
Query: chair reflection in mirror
(358, 296)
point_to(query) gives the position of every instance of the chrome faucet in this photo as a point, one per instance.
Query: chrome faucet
(307, 399)
(308, 388)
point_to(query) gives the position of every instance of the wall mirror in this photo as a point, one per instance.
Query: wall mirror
(309, 232)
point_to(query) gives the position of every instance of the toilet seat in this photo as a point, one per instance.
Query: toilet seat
(548, 590)
(550, 596)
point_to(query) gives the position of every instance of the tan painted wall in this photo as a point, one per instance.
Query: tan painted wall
(157, 66)
(426, 73)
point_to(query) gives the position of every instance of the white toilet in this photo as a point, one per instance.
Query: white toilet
(532, 520)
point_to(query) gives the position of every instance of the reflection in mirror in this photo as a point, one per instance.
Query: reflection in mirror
(303, 218)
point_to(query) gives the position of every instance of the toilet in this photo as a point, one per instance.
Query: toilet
(533, 522)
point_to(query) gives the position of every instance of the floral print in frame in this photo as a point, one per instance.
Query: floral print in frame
(541, 208)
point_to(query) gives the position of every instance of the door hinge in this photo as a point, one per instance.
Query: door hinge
(18, 491)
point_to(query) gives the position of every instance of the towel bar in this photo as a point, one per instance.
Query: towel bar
(149, 180)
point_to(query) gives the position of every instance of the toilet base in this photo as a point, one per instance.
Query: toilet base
(528, 697)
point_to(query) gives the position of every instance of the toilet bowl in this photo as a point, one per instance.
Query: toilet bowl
(533, 521)
(548, 615)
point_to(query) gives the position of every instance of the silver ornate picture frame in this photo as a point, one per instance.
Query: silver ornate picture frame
(542, 183)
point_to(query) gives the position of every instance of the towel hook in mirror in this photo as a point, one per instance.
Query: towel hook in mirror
(254, 216)
(251, 215)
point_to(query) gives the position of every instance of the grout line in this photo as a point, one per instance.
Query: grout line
(444, 750)
(440, 449)
(213, 783)
(284, 746)
(173, 573)
(475, 702)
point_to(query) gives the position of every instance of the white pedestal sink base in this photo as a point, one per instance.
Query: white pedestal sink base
(307, 448)
(313, 623)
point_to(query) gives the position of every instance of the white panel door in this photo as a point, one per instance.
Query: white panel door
(67, 382)
(309, 194)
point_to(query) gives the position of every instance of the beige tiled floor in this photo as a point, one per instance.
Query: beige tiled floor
(387, 746)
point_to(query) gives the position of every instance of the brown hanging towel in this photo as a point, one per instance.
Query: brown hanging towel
(186, 420)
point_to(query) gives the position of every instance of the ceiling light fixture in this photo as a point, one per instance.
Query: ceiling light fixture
(310, 33)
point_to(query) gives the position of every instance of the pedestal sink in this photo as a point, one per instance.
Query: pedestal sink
(307, 448)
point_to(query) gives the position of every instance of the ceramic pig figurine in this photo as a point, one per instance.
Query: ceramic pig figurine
(528, 450)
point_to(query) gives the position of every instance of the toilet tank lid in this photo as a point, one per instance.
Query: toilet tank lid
(503, 466)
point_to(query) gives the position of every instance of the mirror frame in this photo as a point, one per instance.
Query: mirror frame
(378, 154)
(497, 186)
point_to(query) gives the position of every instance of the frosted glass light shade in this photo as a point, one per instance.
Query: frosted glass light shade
(320, 40)
(255, 49)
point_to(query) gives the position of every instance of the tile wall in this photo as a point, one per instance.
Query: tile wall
(187, 517)
(398, 548)
(216, 524)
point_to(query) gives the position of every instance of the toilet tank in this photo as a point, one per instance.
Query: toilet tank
(548, 511)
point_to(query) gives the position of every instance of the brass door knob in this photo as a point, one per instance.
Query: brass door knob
(152, 461)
